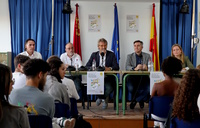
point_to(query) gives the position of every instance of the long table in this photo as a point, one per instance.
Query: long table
(73, 73)
(126, 74)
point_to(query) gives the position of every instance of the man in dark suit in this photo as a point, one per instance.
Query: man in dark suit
(106, 59)
(138, 85)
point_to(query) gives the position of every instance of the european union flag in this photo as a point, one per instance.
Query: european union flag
(115, 39)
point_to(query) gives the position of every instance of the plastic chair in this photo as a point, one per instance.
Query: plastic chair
(40, 121)
(159, 106)
(176, 123)
(62, 110)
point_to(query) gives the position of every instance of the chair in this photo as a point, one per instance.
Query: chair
(74, 110)
(62, 110)
(40, 121)
(176, 123)
(159, 106)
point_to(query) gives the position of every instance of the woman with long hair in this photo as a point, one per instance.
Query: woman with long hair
(185, 100)
(10, 116)
(177, 52)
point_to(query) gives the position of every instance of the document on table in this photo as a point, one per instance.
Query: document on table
(155, 77)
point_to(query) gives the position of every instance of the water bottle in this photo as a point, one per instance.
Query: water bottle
(150, 66)
(93, 65)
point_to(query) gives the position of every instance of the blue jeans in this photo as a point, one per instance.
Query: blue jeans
(139, 86)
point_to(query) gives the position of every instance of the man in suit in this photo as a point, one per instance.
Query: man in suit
(138, 86)
(106, 59)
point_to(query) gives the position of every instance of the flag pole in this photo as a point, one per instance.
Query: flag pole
(193, 34)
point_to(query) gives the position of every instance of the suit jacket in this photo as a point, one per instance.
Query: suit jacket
(111, 60)
(131, 60)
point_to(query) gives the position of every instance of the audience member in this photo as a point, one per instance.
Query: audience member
(168, 87)
(185, 100)
(72, 92)
(29, 50)
(55, 87)
(198, 66)
(170, 67)
(138, 86)
(10, 116)
(32, 97)
(18, 75)
(177, 52)
(69, 58)
(109, 61)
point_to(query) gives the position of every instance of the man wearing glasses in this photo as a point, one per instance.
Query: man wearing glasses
(69, 58)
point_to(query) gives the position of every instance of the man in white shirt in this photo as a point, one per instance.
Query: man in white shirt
(69, 58)
(30, 50)
(18, 75)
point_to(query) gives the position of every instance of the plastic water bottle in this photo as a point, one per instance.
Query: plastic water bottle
(93, 65)
(150, 66)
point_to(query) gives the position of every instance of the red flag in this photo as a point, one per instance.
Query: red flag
(153, 42)
(77, 40)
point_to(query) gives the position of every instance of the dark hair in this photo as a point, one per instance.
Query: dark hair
(138, 41)
(52, 57)
(27, 42)
(55, 64)
(185, 100)
(171, 66)
(33, 66)
(20, 59)
(5, 80)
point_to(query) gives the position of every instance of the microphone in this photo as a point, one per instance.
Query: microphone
(71, 61)
(102, 55)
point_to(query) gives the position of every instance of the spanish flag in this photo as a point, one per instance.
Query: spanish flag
(153, 42)
(77, 40)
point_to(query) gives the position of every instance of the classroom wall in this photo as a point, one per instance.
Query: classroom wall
(106, 10)
(5, 43)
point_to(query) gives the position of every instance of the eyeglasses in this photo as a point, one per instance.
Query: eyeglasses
(13, 81)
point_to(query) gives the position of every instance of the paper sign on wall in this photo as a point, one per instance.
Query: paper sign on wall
(95, 83)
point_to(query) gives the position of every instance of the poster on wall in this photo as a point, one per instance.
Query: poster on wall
(132, 23)
(94, 23)
(95, 83)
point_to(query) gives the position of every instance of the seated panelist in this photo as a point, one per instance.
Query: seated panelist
(106, 59)
(30, 50)
(138, 85)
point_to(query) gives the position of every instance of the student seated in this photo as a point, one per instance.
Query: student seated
(10, 116)
(32, 96)
(167, 87)
(185, 100)
(18, 75)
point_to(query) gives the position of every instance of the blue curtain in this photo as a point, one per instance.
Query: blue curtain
(30, 19)
(61, 27)
(33, 19)
(176, 27)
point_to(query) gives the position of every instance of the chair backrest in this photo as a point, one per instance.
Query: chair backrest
(74, 110)
(160, 105)
(40, 121)
(62, 110)
(176, 123)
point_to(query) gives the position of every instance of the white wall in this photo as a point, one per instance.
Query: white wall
(5, 43)
(106, 10)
